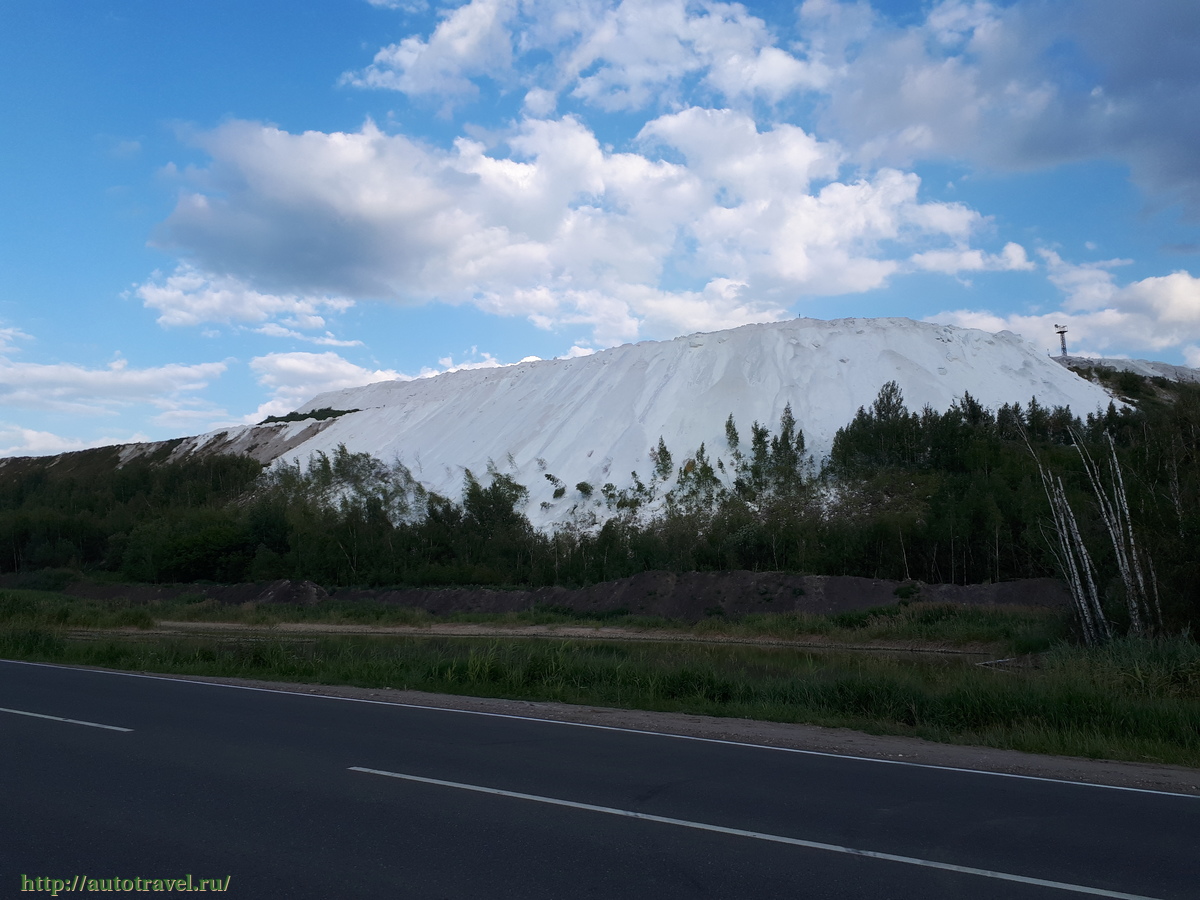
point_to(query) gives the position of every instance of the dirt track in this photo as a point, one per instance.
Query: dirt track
(563, 632)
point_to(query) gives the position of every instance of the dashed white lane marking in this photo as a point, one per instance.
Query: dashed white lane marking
(745, 745)
(21, 712)
(761, 836)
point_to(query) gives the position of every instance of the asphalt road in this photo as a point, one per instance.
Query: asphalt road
(294, 795)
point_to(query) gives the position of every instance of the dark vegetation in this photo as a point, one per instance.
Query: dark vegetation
(319, 415)
(998, 631)
(938, 497)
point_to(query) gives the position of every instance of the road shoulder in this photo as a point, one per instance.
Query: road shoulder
(839, 741)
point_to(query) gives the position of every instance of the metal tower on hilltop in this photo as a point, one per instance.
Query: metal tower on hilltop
(1062, 337)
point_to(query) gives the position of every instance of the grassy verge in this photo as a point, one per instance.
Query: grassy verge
(1010, 631)
(1132, 700)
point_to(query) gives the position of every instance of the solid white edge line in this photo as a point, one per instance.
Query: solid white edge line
(664, 734)
(21, 712)
(762, 836)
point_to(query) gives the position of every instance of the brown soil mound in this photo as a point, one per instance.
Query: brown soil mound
(689, 596)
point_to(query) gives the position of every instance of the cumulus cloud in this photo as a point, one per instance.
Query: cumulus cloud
(66, 387)
(577, 351)
(1009, 85)
(710, 217)
(635, 52)
(715, 214)
(169, 394)
(483, 361)
(294, 378)
(545, 222)
(612, 55)
(190, 297)
(1149, 315)
(470, 42)
(986, 83)
(953, 261)
(16, 440)
(954, 84)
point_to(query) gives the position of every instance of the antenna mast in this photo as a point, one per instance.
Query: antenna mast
(1062, 338)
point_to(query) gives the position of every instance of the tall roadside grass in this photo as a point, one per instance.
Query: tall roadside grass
(1008, 630)
(1134, 701)
(1018, 630)
(42, 609)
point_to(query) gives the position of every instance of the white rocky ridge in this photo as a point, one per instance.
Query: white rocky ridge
(1144, 367)
(595, 419)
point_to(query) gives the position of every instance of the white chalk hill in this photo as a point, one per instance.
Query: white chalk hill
(595, 419)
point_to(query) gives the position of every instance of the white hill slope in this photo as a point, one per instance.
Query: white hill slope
(1145, 367)
(595, 419)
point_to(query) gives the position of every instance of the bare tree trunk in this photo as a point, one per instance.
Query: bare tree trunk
(1141, 596)
(1073, 558)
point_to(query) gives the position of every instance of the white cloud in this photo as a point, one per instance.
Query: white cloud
(447, 364)
(540, 102)
(65, 387)
(727, 149)
(637, 51)
(294, 378)
(16, 440)
(30, 442)
(950, 262)
(273, 329)
(558, 228)
(965, 81)
(985, 82)
(613, 55)
(1172, 300)
(1088, 286)
(469, 42)
(9, 337)
(1151, 315)
(190, 297)
(195, 417)
(1011, 85)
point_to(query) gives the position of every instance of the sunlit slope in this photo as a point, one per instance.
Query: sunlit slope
(595, 419)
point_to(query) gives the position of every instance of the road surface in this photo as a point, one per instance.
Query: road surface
(108, 775)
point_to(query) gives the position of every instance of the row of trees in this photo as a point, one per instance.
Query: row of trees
(955, 496)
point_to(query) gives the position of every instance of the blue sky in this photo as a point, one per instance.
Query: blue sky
(212, 210)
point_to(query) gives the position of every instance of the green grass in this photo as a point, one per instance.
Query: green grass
(1018, 630)
(1136, 700)
(40, 609)
(1133, 700)
(1009, 630)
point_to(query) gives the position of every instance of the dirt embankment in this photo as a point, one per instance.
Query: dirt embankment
(689, 596)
